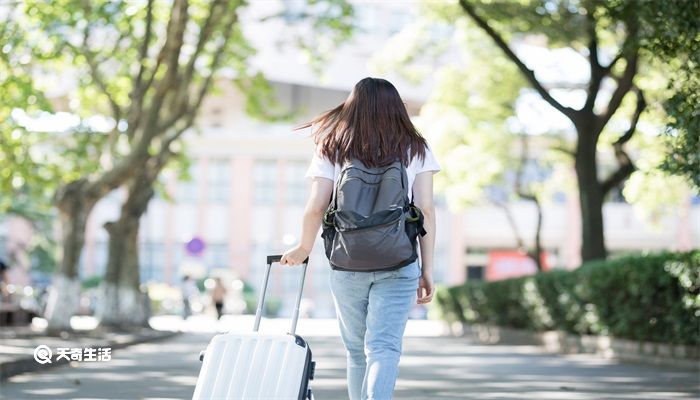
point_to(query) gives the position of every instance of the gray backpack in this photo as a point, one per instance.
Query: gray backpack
(370, 224)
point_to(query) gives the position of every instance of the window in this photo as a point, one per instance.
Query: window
(187, 188)
(477, 251)
(216, 256)
(151, 260)
(295, 182)
(475, 273)
(218, 179)
(216, 118)
(265, 181)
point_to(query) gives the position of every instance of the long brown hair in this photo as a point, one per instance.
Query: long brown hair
(372, 125)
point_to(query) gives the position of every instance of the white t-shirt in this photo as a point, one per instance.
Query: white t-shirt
(322, 167)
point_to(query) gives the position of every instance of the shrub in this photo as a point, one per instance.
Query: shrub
(650, 297)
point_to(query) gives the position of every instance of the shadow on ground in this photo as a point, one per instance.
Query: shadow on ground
(431, 368)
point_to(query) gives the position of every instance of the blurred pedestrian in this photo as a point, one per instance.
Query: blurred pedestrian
(189, 290)
(369, 162)
(218, 295)
(4, 293)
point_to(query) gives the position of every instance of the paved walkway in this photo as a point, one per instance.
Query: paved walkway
(432, 367)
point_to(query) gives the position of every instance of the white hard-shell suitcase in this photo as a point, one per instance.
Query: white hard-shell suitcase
(256, 365)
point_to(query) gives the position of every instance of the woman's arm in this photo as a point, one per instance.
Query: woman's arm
(319, 199)
(423, 199)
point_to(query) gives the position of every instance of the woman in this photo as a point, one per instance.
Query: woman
(218, 296)
(372, 125)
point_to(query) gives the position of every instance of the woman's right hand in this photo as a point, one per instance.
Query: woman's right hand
(426, 289)
(294, 256)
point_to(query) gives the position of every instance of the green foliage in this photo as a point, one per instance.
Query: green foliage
(683, 109)
(43, 250)
(641, 297)
(95, 50)
(466, 117)
(653, 192)
(104, 67)
(91, 282)
(671, 33)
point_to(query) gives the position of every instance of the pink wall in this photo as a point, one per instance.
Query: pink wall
(169, 228)
(203, 193)
(21, 232)
(457, 271)
(241, 206)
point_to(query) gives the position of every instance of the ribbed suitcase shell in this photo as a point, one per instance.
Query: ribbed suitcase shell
(252, 366)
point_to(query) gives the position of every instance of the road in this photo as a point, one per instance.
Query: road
(432, 367)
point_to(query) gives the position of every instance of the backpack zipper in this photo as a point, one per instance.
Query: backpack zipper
(397, 221)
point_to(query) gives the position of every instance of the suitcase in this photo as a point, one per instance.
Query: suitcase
(256, 365)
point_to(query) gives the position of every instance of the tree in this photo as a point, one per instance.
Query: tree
(565, 23)
(145, 69)
(470, 119)
(34, 159)
(525, 191)
(672, 34)
(123, 302)
(613, 37)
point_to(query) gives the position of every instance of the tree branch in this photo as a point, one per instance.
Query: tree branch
(613, 62)
(626, 166)
(624, 84)
(138, 156)
(178, 104)
(563, 149)
(596, 70)
(191, 109)
(528, 73)
(630, 51)
(171, 54)
(535, 253)
(212, 20)
(139, 89)
(511, 221)
(95, 74)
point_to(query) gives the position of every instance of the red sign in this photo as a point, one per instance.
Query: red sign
(508, 264)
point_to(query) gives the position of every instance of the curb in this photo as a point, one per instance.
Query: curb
(559, 342)
(28, 364)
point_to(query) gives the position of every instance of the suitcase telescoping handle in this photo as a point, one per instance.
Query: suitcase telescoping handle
(263, 289)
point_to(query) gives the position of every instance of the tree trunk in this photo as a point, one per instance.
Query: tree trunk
(132, 301)
(591, 197)
(122, 302)
(74, 207)
(108, 302)
(536, 254)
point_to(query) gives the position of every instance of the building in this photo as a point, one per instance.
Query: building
(247, 192)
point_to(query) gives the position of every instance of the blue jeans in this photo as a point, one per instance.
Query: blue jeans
(372, 309)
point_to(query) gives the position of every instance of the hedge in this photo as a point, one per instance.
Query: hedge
(651, 297)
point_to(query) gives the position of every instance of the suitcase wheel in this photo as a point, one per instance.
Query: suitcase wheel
(201, 355)
(312, 370)
(309, 395)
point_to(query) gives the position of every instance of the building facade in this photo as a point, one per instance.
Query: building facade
(247, 193)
